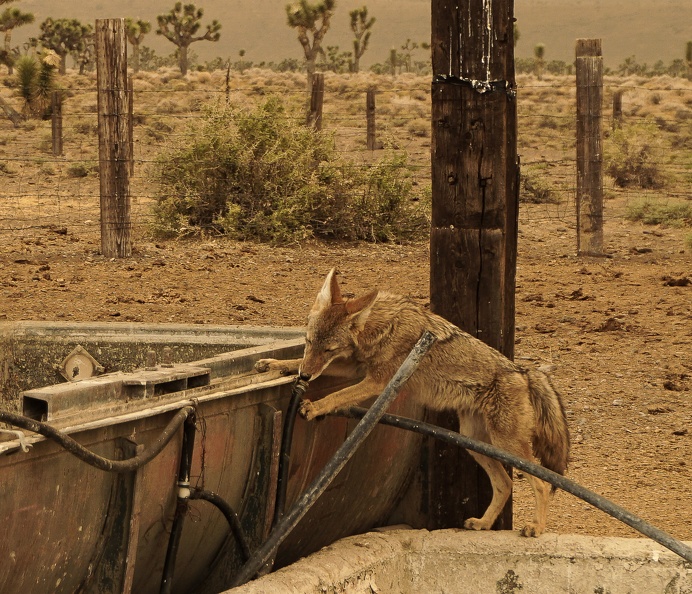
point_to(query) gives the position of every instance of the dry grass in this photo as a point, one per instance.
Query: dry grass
(165, 100)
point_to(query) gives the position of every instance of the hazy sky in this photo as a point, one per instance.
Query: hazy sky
(649, 29)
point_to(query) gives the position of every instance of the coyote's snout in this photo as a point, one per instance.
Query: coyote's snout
(516, 409)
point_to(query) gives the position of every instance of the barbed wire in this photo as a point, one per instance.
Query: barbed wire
(40, 190)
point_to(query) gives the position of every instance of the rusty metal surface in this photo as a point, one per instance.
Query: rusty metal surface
(71, 528)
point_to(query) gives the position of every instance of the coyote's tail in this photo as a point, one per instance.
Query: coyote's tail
(551, 443)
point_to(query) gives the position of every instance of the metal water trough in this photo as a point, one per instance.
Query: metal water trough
(68, 527)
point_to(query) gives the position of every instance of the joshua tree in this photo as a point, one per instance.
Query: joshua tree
(313, 19)
(9, 20)
(539, 55)
(135, 31)
(64, 36)
(181, 24)
(360, 25)
(36, 81)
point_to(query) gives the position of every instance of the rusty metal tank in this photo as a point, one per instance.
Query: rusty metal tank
(68, 527)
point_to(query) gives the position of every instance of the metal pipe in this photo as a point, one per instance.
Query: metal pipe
(229, 513)
(105, 464)
(555, 479)
(182, 504)
(338, 461)
(299, 388)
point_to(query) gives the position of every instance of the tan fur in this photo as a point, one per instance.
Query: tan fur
(497, 401)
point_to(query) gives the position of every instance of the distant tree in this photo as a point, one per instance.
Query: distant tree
(64, 36)
(629, 66)
(539, 57)
(180, 26)
(311, 19)
(36, 82)
(405, 59)
(360, 25)
(688, 59)
(338, 61)
(135, 31)
(10, 19)
(84, 54)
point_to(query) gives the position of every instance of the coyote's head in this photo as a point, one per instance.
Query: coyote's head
(333, 326)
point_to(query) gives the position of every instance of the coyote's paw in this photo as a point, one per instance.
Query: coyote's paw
(476, 524)
(308, 410)
(272, 365)
(531, 530)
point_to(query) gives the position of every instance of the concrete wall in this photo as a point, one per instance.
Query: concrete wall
(462, 562)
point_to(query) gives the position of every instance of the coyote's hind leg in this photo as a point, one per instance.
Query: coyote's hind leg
(473, 427)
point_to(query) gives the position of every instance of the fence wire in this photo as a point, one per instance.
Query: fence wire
(40, 191)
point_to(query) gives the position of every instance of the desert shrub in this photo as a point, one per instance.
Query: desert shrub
(83, 169)
(259, 173)
(632, 154)
(535, 187)
(650, 212)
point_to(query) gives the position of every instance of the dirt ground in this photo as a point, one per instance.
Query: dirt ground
(616, 332)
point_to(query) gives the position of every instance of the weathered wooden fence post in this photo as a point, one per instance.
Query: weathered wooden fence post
(314, 118)
(589, 200)
(114, 137)
(473, 238)
(617, 108)
(371, 140)
(56, 123)
(131, 122)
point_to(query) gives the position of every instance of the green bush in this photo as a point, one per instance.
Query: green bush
(259, 173)
(632, 156)
(649, 212)
(535, 187)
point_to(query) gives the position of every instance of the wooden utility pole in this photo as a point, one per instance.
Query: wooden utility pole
(114, 137)
(314, 118)
(589, 147)
(473, 238)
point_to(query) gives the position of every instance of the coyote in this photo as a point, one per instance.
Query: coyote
(498, 402)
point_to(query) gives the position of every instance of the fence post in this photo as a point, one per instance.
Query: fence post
(589, 201)
(314, 118)
(617, 108)
(371, 141)
(473, 237)
(131, 122)
(114, 137)
(56, 122)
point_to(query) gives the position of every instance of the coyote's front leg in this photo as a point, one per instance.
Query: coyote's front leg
(341, 399)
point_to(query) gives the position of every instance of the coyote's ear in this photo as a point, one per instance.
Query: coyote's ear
(359, 309)
(329, 294)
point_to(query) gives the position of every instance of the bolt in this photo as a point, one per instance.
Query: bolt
(167, 357)
(151, 361)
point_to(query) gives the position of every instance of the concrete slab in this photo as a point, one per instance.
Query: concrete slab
(462, 562)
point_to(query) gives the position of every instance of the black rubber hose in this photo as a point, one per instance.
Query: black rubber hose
(598, 501)
(229, 513)
(299, 388)
(105, 464)
(334, 466)
(182, 504)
